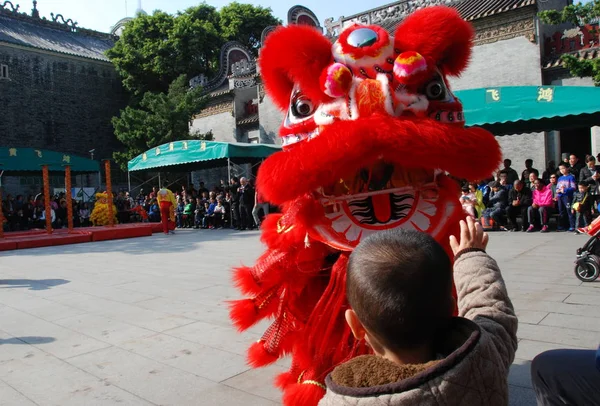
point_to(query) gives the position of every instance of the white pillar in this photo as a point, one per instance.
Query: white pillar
(595, 134)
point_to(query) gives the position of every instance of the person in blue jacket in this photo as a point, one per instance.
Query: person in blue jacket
(565, 188)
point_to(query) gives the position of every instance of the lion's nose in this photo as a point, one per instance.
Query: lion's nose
(370, 98)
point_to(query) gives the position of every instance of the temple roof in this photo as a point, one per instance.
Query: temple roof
(581, 55)
(389, 16)
(23, 30)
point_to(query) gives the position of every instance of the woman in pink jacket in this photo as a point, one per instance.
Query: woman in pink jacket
(542, 204)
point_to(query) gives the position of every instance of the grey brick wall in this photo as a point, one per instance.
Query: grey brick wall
(270, 121)
(58, 103)
(222, 125)
(513, 62)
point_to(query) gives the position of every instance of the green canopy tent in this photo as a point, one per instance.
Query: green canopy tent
(197, 154)
(526, 109)
(19, 161)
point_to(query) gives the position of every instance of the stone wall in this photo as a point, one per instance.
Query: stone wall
(270, 121)
(222, 125)
(58, 103)
(512, 62)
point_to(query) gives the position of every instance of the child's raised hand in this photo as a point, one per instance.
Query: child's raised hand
(471, 236)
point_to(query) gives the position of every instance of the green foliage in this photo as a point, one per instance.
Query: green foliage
(578, 14)
(159, 118)
(156, 56)
(245, 23)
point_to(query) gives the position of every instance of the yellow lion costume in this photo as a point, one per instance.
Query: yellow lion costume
(99, 215)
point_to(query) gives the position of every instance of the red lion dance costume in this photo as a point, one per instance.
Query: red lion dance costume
(370, 133)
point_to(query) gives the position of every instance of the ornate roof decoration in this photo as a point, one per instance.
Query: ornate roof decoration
(303, 16)
(235, 61)
(216, 108)
(248, 120)
(583, 54)
(389, 16)
(58, 35)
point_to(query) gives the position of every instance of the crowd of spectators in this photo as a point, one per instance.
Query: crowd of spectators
(22, 213)
(235, 204)
(569, 192)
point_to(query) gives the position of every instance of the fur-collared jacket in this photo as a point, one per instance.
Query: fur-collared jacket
(476, 352)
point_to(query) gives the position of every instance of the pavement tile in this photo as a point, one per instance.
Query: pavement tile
(530, 316)
(222, 395)
(575, 322)
(11, 397)
(518, 396)
(554, 307)
(47, 380)
(593, 300)
(154, 381)
(529, 349)
(565, 336)
(520, 373)
(38, 306)
(212, 335)
(256, 381)
(201, 360)
(51, 338)
(104, 329)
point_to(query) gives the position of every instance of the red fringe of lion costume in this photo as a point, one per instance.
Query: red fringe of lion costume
(371, 132)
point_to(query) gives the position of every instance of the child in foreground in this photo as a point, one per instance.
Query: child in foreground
(399, 288)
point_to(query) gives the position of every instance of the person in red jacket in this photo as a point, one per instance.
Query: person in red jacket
(541, 206)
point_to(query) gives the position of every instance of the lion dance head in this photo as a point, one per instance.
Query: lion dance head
(371, 132)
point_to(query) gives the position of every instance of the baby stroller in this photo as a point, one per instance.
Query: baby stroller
(587, 265)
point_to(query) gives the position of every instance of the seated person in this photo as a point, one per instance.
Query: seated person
(219, 214)
(179, 212)
(468, 200)
(84, 215)
(209, 214)
(399, 289)
(519, 200)
(479, 205)
(540, 209)
(199, 213)
(154, 211)
(582, 206)
(496, 205)
(188, 213)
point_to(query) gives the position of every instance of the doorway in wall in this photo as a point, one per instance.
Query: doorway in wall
(576, 141)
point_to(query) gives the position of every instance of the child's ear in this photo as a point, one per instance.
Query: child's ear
(355, 325)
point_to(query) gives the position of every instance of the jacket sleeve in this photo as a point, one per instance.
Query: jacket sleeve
(483, 298)
(527, 197)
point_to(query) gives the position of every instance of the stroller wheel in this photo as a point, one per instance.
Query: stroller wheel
(587, 270)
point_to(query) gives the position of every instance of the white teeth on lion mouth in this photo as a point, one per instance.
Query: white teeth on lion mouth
(294, 138)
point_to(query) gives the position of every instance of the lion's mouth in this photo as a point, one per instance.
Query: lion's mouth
(379, 197)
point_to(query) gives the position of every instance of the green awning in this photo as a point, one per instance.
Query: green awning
(197, 154)
(526, 109)
(15, 159)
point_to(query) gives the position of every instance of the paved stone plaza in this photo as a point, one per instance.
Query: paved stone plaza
(142, 322)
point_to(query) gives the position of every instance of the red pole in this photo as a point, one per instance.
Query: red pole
(69, 197)
(111, 213)
(1, 217)
(45, 177)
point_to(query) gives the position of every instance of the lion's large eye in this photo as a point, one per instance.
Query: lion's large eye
(435, 90)
(302, 107)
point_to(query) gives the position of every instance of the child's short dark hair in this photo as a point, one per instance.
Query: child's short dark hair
(564, 164)
(399, 284)
(584, 183)
(465, 188)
